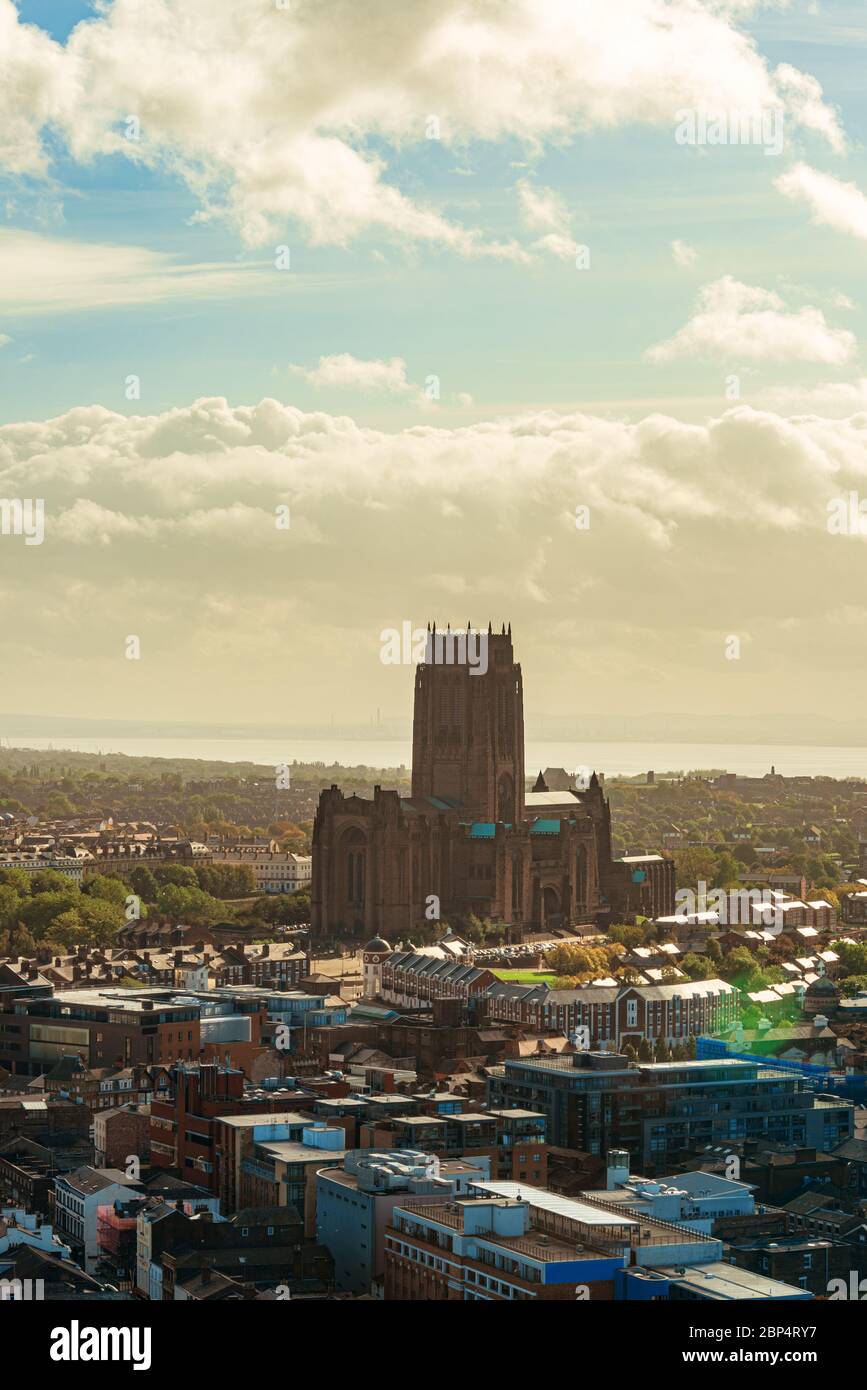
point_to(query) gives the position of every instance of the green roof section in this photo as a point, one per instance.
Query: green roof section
(545, 827)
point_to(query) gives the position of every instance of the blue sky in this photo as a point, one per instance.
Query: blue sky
(512, 336)
(699, 385)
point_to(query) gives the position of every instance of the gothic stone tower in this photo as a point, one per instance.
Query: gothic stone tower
(468, 730)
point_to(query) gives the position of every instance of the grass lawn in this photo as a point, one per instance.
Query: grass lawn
(526, 977)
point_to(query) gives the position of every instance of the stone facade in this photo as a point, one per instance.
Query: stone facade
(470, 839)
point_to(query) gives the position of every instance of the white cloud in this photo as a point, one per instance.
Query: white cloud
(683, 254)
(542, 209)
(837, 399)
(832, 202)
(348, 372)
(44, 274)
(734, 321)
(278, 111)
(164, 526)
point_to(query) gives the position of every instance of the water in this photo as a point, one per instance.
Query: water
(611, 758)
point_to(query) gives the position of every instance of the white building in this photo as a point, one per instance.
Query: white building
(275, 871)
(76, 1199)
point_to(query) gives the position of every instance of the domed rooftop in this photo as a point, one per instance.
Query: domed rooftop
(377, 943)
(822, 986)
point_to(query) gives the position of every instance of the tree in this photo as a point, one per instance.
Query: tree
(852, 984)
(629, 976)
(52, 881)
(697, 967)
(181, 875)
(189, 904)
(627, 935)
(18, 879)
(727, 871)
(10, 906)
(38, 912)
(694, 866)
(645, 1051)
(853, 958)
(108, 888)
(143, 883)
(740, 961)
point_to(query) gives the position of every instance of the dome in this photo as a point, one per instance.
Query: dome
(822, 986)
(378, 944)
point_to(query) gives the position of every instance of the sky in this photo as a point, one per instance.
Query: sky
(323, 316)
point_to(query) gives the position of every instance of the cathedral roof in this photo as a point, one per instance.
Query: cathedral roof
(537, 800)
(546, 826)
(424, 805)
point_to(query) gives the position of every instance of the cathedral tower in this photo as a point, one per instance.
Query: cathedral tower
(468, 725)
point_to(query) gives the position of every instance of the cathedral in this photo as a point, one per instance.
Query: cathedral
(470, 838)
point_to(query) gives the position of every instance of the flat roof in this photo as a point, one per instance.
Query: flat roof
(518, 1114)
(289, 1152)
(723, 1281)
(552, 1201)
(281, 1117)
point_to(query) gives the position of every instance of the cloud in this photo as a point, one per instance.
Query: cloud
(164, 526)
(44, 274)
(832, 202)
(291, 115)
(733, 322)
(344, 371)
(837, 399)
(542, 209)
(683, 254)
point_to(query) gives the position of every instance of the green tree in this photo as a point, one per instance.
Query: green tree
(697, 967)
(107, 887)
(740, 961)
(694, 866)
(852, 984)
(143, 883)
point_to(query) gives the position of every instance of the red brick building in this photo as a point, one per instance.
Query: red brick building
(470, 836)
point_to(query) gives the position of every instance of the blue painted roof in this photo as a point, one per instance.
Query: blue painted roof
(483, 830)
(545, 827)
